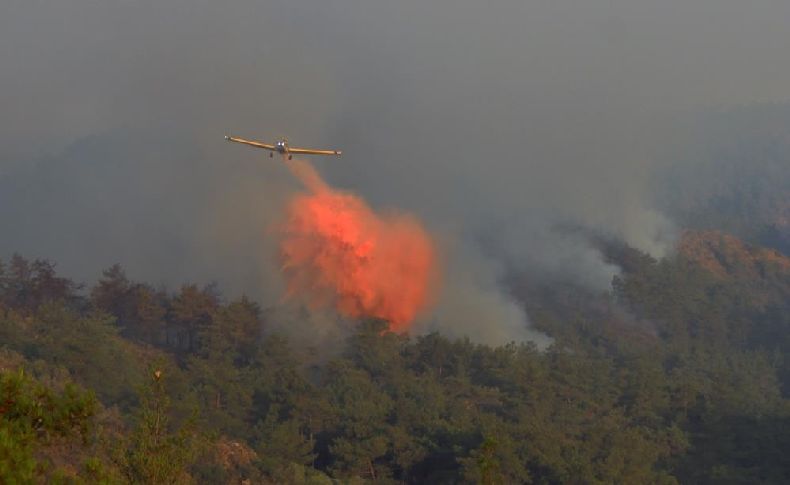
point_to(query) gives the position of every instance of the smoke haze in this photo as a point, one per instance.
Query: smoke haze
(496, 123)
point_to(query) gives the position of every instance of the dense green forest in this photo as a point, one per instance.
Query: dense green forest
(679, 374)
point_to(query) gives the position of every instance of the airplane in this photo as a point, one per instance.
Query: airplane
(281, 147)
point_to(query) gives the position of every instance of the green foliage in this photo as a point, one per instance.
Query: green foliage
(32, 417)
(483, 466)
(675, 376)
(156, 454)
(17, 464)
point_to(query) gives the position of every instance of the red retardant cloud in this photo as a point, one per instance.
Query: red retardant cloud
(337, 251)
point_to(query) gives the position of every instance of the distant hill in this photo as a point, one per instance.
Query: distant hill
(732, 173)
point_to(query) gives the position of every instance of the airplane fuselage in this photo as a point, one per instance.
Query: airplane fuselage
(281, 147)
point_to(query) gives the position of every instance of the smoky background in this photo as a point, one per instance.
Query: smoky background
(498, 124)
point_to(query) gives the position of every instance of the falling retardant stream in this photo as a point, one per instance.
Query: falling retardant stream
(336, 251)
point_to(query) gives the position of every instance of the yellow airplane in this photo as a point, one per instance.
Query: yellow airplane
(281, 147)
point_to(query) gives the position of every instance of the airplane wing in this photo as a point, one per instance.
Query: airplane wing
(251, 143)
(305, 151)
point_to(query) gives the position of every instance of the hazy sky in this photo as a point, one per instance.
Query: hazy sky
(492, 121)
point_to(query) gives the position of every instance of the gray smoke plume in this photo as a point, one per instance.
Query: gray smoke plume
(495, 122)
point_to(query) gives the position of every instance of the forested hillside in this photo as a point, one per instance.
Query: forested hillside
(680, 374)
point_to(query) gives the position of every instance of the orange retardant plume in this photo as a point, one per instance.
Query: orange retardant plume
(337, 251)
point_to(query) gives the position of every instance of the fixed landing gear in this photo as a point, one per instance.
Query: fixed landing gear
(271, 155)
(290, 157)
